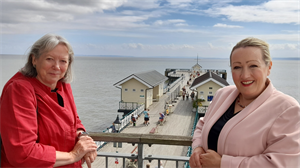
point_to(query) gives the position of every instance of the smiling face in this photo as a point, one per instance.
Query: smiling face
(249, 71)
(51, 66)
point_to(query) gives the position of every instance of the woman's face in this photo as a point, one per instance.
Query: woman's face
(249, 71)
(52, 66)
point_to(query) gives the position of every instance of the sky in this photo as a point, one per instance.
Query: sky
(152, 28)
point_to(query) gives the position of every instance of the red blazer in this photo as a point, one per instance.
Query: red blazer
(30, 138)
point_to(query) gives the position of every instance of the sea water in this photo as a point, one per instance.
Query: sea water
(97, 100)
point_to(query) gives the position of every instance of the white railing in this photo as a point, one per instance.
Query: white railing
(141, 140)
(168, 88)
(124, 123)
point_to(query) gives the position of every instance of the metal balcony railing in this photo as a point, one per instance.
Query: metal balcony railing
(142, 139)
(128, 105)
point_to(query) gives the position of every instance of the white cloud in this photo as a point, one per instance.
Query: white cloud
(284, 47)
(279, 37)
(181, 24)
(275, 11)
(133, 46)
(211, 46)
(186, 46)
(129, 26)
(176, 22)
(157, 47)
(226, 26)
(179, 3)
(42, 16)
(146, 4)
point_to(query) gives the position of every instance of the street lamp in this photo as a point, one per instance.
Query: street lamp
(117, 124)
(117, 145)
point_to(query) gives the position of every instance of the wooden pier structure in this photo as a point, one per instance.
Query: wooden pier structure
(178, 123)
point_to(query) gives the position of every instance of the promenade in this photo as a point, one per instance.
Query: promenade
(179, 122)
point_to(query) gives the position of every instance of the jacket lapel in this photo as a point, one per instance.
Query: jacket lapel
(219, 105)
(229, 126)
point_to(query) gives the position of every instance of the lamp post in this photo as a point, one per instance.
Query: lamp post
(117, 124)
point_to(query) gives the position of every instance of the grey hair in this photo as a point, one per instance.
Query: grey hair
(46, 44)
(254, 42)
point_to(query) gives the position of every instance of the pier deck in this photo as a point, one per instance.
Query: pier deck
(179, 122)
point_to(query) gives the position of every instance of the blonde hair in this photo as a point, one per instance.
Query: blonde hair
(254, 42)
(45, 44)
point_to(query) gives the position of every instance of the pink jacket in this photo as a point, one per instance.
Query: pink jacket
(266, 134)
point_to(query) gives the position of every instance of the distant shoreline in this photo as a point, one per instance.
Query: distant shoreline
(154, 57)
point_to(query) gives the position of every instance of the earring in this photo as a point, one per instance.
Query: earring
(34, 66)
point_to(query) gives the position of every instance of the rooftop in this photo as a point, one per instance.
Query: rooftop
(149, 78)
(208, 76)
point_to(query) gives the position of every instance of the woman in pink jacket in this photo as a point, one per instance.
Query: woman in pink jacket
(39, 123)
(251, 124)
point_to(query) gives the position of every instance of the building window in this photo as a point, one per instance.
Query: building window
(209, 98)
(201, 92)
(133, 90)
(142, 90)
(210, 87)
(210, 93)
(125, 90)
(142, 96)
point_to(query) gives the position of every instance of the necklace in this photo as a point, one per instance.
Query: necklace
(238, 102)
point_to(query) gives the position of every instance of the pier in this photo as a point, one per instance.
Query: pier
(163, 146)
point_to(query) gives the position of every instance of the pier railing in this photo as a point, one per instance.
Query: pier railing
(190, 150)
(128, 105)
(127, 118)
(125, 121)
(140, 140)
(168, 88)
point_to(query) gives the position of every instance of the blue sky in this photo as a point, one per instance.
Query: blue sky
(152, 28)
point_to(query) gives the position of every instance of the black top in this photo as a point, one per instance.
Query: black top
(215, 130)
(59, 98)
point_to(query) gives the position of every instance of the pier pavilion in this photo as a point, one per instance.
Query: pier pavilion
(206, 86)
(140, 88)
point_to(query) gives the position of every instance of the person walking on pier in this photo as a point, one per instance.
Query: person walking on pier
(192, 95)
(187, 95)
(133, 119)
(39, 124)
(146, 117)
(183, 95)
(249, 124)
(113, 128)
(161, 117)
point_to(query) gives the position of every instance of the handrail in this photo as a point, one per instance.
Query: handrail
(172, 84)
(124, 123)
(140, 140)
(190, 150)
(128, 105)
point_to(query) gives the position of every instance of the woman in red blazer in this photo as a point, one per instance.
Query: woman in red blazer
(40, 126)
(251, 124)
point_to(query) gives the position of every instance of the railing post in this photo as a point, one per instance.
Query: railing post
(140, 155)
